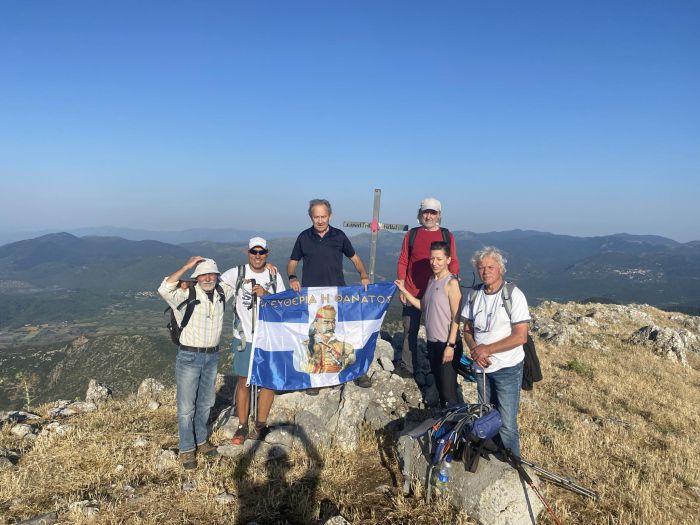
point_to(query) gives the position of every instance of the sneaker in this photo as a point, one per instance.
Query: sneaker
(187, 460)
(240, 436)
(259, 432)
(363, 382)
(207, 449)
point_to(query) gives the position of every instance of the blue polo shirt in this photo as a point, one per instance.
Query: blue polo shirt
(322, 256)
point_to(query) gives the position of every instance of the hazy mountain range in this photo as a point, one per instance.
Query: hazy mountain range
(623, 268)
(192, 235)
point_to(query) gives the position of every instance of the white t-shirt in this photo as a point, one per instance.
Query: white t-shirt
(245, 295)
(491, 323)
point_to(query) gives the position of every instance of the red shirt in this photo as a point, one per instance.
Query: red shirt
(416, 271)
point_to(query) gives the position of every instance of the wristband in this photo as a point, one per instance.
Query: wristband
(451, 345)
(292, 276)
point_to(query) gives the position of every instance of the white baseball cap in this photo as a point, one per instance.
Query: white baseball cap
(206, 266)
(430, 203)
(257, 241)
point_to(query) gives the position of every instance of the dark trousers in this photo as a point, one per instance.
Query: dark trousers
(445, 374)
(411, 324)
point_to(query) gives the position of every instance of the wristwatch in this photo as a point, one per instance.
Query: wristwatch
(451, 345)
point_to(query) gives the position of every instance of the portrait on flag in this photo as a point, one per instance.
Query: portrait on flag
(320, 336)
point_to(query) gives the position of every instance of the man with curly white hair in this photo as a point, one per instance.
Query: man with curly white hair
(495, 338)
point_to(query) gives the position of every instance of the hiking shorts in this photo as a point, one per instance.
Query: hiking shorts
(241, 358)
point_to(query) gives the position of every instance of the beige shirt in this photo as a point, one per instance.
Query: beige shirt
(204, 328)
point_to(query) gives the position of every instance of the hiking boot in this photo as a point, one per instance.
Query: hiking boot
(240, 436)
(207, 449)
(363, 382)
(188, 461)
(259, 432)
(312, 391)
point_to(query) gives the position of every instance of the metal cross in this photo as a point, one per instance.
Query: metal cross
(374, 227)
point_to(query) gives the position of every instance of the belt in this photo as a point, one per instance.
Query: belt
(210, 350)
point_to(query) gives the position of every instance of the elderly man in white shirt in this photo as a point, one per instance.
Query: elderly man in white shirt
(198, 354)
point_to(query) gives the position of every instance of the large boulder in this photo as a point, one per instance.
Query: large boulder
(493, 495)
(345, 424)
(666, 342)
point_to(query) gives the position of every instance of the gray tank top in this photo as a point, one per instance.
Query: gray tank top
(436, 305)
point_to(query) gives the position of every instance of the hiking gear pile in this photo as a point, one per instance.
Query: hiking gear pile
(466, 432)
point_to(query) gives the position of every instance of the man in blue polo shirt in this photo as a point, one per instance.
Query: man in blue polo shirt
(322, 248)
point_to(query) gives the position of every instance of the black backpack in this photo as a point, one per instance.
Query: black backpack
(176, 329)
(532, 372)
(414, 231)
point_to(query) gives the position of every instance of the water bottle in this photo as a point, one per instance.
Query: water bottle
(444, 475)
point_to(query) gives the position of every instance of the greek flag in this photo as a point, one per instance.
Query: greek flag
(321, 336)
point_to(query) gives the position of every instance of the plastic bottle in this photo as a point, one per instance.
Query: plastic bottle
(444, 476)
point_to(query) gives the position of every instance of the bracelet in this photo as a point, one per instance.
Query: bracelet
(292, 276)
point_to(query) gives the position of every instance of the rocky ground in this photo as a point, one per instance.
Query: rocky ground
(607, 413)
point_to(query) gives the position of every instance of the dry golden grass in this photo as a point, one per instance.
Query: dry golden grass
(627, 427)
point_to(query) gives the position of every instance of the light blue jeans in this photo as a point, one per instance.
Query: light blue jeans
(503, 391)
(195, 375)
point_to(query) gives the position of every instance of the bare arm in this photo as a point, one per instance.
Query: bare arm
(407, 295)
(360, 267)
(191, 263)
(294, 283)
(454, 295)
(517, 337)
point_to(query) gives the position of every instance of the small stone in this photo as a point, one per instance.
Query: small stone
(97, 393)
(22, 430)
(48, 518)
(189, 486)
(119, 468)
(225, 499)
(150, 389)
(386, 364)
(337, 520)
(140, 442)
(153, 405)
(5, 464)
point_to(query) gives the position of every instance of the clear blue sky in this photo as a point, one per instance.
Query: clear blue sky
(571, 117)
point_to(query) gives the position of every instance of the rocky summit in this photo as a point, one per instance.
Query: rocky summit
(606, 415)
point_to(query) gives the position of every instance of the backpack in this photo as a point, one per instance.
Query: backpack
(176, 329)
(240, 277)
(532, 372)
(414, 231)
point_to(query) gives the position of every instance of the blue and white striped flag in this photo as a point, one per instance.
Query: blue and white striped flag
(318, 337)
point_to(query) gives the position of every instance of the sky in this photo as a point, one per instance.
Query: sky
(577, 118)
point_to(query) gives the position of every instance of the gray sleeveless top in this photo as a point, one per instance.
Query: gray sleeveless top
(436, 306)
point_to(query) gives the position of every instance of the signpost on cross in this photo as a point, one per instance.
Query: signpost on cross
(374, 227)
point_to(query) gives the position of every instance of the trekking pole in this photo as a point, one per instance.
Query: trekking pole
(518, 465)
(253, 388)
(561, 481)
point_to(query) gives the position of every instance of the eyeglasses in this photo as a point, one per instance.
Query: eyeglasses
(257, 252)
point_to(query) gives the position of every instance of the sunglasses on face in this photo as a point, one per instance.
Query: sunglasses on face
(257, 252)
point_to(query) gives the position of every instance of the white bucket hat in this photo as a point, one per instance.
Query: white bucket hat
(206, 266)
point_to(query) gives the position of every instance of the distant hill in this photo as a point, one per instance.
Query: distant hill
(81, 275)
(173, 237)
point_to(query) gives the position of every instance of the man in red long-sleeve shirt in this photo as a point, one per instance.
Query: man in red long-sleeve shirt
(414, 269)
